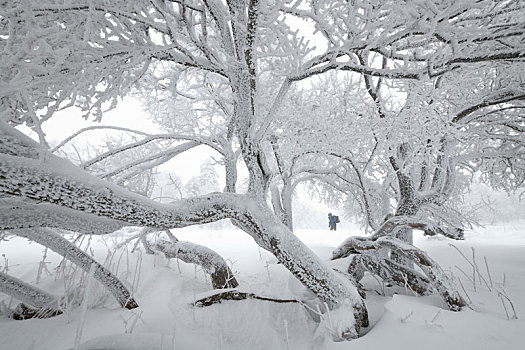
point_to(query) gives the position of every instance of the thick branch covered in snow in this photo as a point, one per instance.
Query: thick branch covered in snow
(68, 250)
(45, 303)
(191, 253)
(16, 213)
(390, 226)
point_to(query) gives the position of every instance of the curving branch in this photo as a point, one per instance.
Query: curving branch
(154, 159)
(95, 127)
(504, 96)
(17, 213)
(68, 250)
(191, 253)
(43, 304)
(149, 139)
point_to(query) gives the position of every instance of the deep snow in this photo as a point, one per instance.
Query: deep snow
(165, 291)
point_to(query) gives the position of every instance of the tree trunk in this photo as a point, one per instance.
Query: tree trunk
(408, 205)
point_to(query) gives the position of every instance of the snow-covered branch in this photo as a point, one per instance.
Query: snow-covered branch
(68, 250)
(16, 213)
(191, 253)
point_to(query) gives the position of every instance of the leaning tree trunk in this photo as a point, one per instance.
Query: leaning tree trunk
(25, 172)
(68, 250)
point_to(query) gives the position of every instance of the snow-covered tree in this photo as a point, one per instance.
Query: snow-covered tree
(206, 182)
(247, 57)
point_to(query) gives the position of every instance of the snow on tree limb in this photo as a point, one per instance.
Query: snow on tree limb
(372, 255)
(431, 229)
(68, 250)
(16, 213)
(191, 253)
(45, 303)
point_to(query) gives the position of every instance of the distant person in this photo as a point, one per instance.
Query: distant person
(333, 220)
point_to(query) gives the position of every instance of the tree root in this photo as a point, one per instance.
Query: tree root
(373, 256)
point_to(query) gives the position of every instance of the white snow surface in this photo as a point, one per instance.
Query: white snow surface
(165, 290)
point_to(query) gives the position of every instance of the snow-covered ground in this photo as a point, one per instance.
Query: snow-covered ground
(165, 290)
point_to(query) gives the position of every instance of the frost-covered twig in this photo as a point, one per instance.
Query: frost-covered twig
(503, 294)
(84, 306)
(475, 270)
(488, 271)
(466, 294)
(42, 266)
(134, 317)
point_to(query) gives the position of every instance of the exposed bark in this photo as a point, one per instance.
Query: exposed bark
(191, 253)
(17, 213)
(236, 295)
(62, 246)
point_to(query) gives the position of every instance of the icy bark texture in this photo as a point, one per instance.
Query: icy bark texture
(16, 213)
(43, 304)
(68, 250)
(396, 223)
(374, 256)
(209, 260)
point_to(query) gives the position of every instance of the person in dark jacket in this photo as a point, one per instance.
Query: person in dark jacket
(332, 221)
